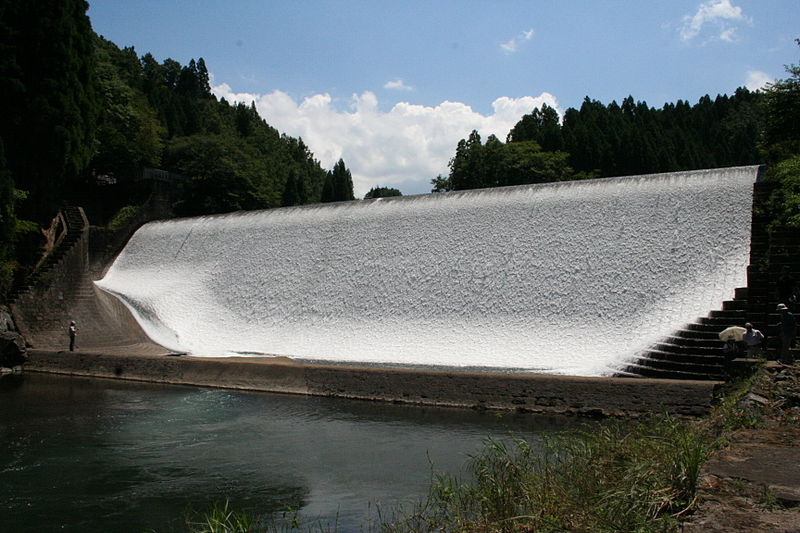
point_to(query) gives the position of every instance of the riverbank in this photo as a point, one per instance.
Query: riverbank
(735, 470)
(537, 393)
(752, 484)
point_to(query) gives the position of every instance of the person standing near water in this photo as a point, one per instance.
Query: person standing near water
(72, 330)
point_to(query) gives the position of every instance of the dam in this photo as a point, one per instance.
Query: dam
(572, 278)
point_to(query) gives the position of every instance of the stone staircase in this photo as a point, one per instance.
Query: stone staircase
(75, 228)
(695, 351)
(61, 289)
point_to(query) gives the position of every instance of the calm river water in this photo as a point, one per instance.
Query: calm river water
(102, 455)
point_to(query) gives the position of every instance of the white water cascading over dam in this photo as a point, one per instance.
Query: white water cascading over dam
(570, 278)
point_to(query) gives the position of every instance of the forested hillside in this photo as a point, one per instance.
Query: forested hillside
(164, 115)
(82, 118)
(614, 140)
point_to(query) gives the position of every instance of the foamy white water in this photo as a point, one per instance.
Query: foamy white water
(573, 277)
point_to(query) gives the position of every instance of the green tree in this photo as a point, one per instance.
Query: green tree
(129, 133)
(338, 185)
(785, 200)
(292, 190)
(221, 175)
(466, 167)
(542, 126)
(441, 184)
(50, 106)
(782, 144)
(782, 106)
(382, 192)
(525, 162)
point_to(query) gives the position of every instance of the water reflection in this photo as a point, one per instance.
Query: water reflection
(97, 455)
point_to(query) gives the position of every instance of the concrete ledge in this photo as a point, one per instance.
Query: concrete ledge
(598, 396)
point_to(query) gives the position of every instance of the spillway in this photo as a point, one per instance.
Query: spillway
(570, 278)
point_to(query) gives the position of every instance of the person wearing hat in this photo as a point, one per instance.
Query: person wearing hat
(72, 330)
(753, 339)
(787, 329)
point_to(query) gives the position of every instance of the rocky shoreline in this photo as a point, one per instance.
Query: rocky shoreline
(752, 485)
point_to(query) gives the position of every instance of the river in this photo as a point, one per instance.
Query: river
(92, 455)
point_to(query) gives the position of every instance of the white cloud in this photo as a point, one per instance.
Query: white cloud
(398, 85)
(716, 14)
(513, 45)
(728, 35)
(404, 148)
(757, 80)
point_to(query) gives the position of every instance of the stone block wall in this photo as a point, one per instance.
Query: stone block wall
(536, 393)
(45, 307)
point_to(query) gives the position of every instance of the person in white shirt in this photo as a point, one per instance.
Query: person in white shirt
(72, 331)
(753, 339)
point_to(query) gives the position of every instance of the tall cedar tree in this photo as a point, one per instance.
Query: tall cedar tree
(49, 104)
(338, 185)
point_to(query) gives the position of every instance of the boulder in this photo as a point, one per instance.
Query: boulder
(12, 349)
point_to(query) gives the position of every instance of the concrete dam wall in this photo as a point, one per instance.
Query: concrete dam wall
(568, 278)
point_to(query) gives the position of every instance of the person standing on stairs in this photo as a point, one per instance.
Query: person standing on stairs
(753, 339)
(72, 330)
(786, 285)
(787, 328)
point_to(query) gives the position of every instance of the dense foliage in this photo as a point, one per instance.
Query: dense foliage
(338, 185)
(782, 147)
(164, 115)
(50, 104)
(382, 192)
(614, 140)
(82, 118)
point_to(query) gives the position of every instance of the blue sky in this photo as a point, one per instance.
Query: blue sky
(391, 87)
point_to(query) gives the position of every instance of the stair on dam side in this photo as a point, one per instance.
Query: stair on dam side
(75, 226)
(695, 351)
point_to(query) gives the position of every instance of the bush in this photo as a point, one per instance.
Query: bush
(124, 216)
(785, 200)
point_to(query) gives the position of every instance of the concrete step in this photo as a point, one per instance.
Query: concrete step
(734, 305)
(685, 354)
(678, 366)
(650, 372)
(705, 334)
(687, 351)
(713, 327)
(691, 342)
(730, 314)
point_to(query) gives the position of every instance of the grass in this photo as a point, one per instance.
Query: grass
(620, 476)
(221, 519)
(623, 477)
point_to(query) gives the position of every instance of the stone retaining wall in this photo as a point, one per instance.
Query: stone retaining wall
(525, 392)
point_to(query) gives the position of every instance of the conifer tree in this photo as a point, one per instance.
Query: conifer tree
(291, 191)
(47, 134)
(342, 183)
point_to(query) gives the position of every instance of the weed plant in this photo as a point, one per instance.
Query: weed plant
(620, 476)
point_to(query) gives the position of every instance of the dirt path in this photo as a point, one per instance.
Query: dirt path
(753, 484)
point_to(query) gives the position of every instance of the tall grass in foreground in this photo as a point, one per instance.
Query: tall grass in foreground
(619, 477)
(622, 476)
